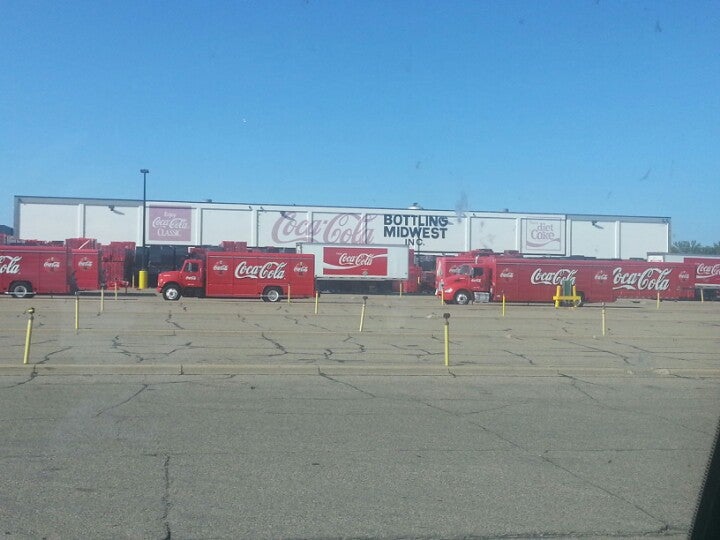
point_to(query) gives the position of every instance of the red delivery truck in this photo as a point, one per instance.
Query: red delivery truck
(245, 274)
(518, 279)
(26, 270)
(707, 271)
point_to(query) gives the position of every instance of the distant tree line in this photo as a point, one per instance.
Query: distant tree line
(691, 246)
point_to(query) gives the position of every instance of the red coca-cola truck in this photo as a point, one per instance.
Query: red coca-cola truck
(241, 274)
(707, 271)
(48, 269)
(518, 279)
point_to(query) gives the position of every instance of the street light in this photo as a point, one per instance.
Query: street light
(142, 276)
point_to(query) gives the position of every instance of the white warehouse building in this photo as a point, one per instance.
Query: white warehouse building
(430, 232)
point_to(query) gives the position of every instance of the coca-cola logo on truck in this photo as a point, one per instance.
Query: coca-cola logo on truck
(268, 270)
(85, 263)
(51, 264)
(9, 265)
(301, 268)
(220, 267)
(170, 224)
(707, 271)
(355, 261)
(650, 279)
(556, 277)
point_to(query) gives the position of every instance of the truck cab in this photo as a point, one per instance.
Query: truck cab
(188, 281)
(469, 282)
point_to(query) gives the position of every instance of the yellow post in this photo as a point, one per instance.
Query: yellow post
(102, 299)
(557, 297)
(603, 318)
(77, 312)
(401, 289)
(28, 335)
(288, 293)
(142, 279)
(658, 301)
(317, 296)
(362, 313)
(503, 305)
(702, 295)
(116, 290)
(446, 316)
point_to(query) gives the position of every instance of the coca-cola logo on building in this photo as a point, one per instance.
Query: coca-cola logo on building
(9, 265)
(338, 229)
(650, 279)
(268, 270)
(51, 264)
(540, 277)
(170, 224)
(707, 271)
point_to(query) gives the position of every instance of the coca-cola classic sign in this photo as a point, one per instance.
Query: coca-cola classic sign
(170, 224)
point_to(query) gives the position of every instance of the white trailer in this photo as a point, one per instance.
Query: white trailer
(358, 267)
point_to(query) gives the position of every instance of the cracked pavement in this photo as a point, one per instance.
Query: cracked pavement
(540, 427)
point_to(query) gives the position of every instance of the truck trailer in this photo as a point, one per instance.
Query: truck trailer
(518, 279)
(241, 274)
(361, 267)
(59, 268)
(707, 271)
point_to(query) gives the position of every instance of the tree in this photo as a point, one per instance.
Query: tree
(695, 248)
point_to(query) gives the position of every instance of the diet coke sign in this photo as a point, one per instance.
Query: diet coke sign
(268, 270)
(9, 265)
(170, 224)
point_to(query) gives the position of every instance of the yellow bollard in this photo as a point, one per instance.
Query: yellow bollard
(702, 295)
(115, 290)
(401, 287)
(658, 301)
(77, 312)
(142, 279)
(446, 316)
(557, 297)
(317, 297)
(28, 335)
(503, 305)
(603, 318)
(102, 299)
(362, 313)
(288, 293)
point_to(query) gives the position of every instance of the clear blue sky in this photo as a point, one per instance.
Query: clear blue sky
(572, 106)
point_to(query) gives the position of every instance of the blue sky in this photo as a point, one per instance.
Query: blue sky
(573, 106)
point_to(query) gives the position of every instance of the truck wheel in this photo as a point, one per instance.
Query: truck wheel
(271, 294)
(21, 289)
(578, 303)
(171, 292)
(462, 298)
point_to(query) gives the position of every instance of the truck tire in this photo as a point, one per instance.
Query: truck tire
(21, 289)
(272, 294)
(171, 292)
(462, 298)
(578, 303)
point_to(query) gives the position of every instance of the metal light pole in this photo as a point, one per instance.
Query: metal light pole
(143, 274)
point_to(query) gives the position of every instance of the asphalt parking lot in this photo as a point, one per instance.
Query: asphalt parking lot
(242, 419)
